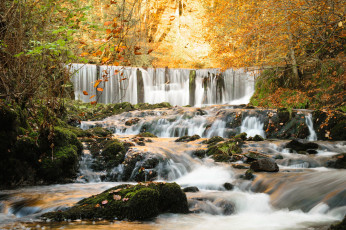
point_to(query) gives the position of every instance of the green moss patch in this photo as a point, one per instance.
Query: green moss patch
(132, 202)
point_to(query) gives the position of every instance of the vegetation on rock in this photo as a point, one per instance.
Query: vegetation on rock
(132, 202)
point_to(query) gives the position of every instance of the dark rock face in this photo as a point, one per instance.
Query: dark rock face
(338, 162)
(191, 189)
(188, 138)
(300, 146)
(329, 125)
(264, 165)
(132, 202)
(339, 226)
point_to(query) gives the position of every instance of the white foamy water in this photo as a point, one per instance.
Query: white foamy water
(252, 126)
(310, 124)
(135, 85)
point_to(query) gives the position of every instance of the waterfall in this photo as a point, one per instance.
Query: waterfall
(83, 79)
(252, 126)
(176, 86)
(310, 124)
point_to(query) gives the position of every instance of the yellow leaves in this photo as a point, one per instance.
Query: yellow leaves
(340, 24)
(105, 60)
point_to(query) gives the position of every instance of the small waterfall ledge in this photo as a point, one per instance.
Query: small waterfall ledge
(177, 86)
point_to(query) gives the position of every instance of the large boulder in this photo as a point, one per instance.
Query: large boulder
(132, 202)
(264, 165)
(300, 146)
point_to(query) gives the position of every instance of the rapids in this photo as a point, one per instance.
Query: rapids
(294, 198)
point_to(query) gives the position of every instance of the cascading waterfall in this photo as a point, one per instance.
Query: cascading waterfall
(252, 126)
(176, 86)
(310, 124)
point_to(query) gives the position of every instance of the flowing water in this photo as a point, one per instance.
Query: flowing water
(303, 195)
(176, 86)
(294, 198)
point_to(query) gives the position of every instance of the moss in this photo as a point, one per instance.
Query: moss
(100, 132)
(62, 167)
(258, 138)
(213, 140)
(146, 134)
(188, 138)
(133, 202)
(222, 158)
(241, 136)
(113, 154)
(224, 151)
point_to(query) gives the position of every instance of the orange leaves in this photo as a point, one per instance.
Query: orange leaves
(171, 18)
(105, 60)
(85, 93)
(93, 102)
(97, 83)
(100, 89)
(108, 23)
(84, 54)
(150, 50)
(116, 197)
(108, 31)
(92, 96)
(138, 53)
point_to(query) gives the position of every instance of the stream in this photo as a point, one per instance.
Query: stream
(304, 194)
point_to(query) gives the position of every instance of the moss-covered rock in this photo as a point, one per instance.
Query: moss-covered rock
(241, 136)
(132, 202)
(188, 138)
(146, 134)
(213, 140)
(60, 154)
(113, 153)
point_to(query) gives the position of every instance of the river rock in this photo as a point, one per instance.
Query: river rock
(191, 189)
(132, 202)
(252, 156)
(300, 146)
(200, 153)
(338, 161)
(264, 165)
(188, 138)
(228, 186)
(132, 121)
